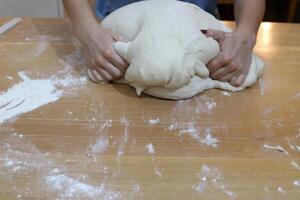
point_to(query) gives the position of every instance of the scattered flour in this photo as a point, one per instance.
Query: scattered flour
(276, 147)
(124, 139)
(294, 164)
(150, 148)
(261, 86)
(157, 171)
(135, 191)
(41, 48)
(30, 94)
(199, 104)
(297, 183)
(102, 142)
(27, 96)
(281, 190)
(194, 132)
(19, 157)
(294, 142)
(225, 93)
(70, 188)
(9, 78)
(209, 102)
(100, 145)
(211, 180)
(153, 121)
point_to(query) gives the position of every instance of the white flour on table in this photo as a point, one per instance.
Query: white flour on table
(211, 180)
(26, 96)
(204, 137)
(30, 94)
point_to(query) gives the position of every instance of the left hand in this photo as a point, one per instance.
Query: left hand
(233, 62)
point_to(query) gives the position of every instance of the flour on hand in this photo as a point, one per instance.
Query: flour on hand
(167, 52)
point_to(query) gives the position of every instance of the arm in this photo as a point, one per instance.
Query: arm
(81, 15)
(248, 16)
(233, 62)
(104, 63)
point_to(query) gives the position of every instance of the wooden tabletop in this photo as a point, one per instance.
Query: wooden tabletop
(105, 142)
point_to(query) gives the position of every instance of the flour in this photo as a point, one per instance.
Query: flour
(26, 96)
(199, 104)
(153, 121)
(100, 145)
(124, 138)
(261, 86)
(281, 190)
(19, 157)
(225, 93)
(9, 78)
(135, 191)
(41, 48)
(30, 94)
(150, 148)
(276, 147)
(211, 180)
(157, 171)
(70, 188)
(102, 142)
(297, 183)
(294, 142)
(195, 133)
(295, 165)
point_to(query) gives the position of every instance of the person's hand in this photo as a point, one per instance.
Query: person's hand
(104, 63)
(233, 62)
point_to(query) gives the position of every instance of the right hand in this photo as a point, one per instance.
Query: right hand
(104, 63)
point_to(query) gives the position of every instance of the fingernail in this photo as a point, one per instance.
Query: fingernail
(204, 31)
(240, 79)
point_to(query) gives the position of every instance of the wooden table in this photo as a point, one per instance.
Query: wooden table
(92, 142)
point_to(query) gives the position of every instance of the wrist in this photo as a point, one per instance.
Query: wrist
(84, 30)
(246, 35)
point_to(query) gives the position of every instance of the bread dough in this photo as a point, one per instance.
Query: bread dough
(167, 52)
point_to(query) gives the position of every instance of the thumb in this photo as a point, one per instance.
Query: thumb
(215, 34)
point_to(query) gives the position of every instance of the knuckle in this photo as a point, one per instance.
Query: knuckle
(118, 74)
(92, 63)
(100, 61)
(227, 57)
(234, 66)
(107, 53)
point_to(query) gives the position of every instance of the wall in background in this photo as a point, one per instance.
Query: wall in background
(276, 11)
(33, 8)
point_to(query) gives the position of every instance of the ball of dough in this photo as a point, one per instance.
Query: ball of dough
(167, 52)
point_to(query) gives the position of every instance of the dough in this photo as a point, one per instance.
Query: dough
(167, 51)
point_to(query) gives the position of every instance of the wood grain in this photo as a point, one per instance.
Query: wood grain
(57, 140)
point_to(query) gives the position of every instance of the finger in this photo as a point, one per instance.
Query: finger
(222, 72)
(96, 76)
(118, 37)
(116, 60)
(228, 77)
(216, 63)
(106, 76)
(112, 70)
(217, 35)
(237, 82)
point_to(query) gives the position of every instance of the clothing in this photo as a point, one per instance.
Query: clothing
(105, 7)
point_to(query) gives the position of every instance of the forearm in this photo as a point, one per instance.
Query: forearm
(81, 15)
(248, 16)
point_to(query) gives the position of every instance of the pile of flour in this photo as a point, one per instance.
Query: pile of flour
(30, 94)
